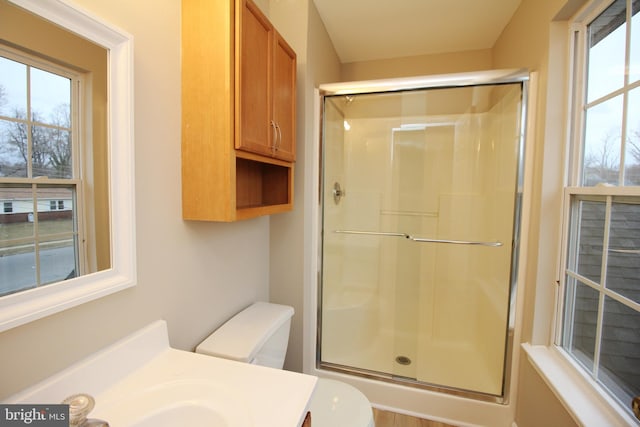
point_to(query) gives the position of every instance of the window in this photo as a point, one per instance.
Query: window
(105, 54)
(7, 207)
(56, 205)
(38, 172)
(601, 274)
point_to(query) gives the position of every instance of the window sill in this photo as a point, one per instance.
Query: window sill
(577, 393)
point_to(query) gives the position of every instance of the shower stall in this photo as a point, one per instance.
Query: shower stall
(421, 191)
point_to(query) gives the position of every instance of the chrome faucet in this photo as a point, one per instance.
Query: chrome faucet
(79, 407)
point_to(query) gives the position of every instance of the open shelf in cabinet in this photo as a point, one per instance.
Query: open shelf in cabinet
(263, 188)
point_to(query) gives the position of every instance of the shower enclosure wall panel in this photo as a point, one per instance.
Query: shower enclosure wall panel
(418, 165)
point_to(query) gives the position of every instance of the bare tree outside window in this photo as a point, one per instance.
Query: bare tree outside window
(51, 151)
(603, 163)
(633, 157)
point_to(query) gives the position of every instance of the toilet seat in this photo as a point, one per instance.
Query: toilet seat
(336, 404)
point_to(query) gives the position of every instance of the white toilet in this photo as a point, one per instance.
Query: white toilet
(259, 335)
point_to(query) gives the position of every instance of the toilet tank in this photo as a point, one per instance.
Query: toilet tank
(259, 334)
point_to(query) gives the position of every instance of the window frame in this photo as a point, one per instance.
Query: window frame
(24, 307)
(573, 187)
(78, 86)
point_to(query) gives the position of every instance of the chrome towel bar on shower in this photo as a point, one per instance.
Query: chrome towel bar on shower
(456, 242)
(372, 233)
(419, 239)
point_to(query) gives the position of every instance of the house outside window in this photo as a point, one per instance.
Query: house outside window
(601, 266)
(39, 168)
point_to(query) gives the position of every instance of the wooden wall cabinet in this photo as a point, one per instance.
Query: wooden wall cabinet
(238, 113)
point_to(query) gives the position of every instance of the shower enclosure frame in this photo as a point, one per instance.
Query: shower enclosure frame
(373, 383)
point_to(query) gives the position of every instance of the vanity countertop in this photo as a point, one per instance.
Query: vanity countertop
(139, 372)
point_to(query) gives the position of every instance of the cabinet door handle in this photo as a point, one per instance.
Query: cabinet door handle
(279, 140)
(275, 138)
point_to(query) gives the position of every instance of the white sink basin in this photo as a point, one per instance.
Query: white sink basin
(182, 402)
(142, 382)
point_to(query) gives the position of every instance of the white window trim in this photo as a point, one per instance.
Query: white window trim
(23, 307)
(581, 396)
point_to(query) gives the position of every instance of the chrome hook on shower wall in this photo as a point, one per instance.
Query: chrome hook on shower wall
(338, 193)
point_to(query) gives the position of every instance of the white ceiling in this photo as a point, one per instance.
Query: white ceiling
(364, 30)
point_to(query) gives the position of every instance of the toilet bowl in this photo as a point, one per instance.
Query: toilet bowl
(335, 403)
(259, 335)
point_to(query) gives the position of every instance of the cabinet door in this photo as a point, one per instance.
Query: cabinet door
(255, 130)
(284, 99)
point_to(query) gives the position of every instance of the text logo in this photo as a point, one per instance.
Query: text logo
(34, 415)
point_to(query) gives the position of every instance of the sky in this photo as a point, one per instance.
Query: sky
(48, 90)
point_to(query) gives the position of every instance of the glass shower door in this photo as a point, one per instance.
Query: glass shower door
(420, 197)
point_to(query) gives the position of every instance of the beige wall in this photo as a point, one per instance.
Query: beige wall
(194, 275)
(457, 62)
(537, 405)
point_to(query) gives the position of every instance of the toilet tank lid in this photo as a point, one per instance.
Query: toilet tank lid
(244, 334)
